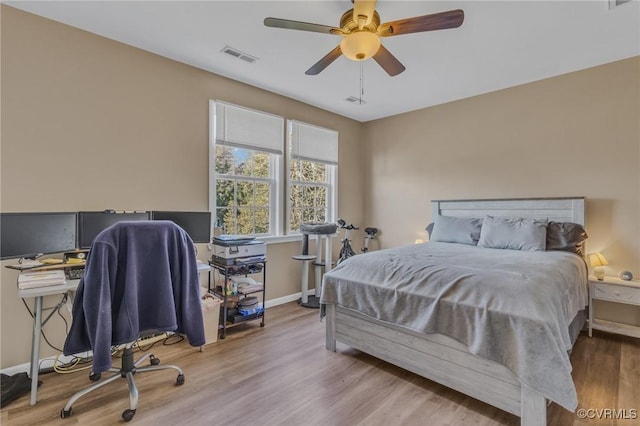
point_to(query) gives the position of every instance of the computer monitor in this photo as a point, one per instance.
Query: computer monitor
(90, 224)
(196, 224)
(30, 234)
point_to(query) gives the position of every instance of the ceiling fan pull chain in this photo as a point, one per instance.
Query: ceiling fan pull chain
(361, 81)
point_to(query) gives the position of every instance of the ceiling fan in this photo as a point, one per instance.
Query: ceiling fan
(361, 31)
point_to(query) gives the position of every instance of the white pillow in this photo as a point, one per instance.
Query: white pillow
(462, 230)
(513, 233)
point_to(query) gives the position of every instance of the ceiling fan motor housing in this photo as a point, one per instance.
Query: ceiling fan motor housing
(348, 24)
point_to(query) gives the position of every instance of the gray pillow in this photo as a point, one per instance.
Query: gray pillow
(566, 236)
(429, 229)
(513, 233)
(462, 230)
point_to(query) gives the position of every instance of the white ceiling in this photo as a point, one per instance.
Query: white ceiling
(500, 44)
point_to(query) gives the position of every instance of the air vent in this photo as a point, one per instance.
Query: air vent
(355, 100)
(615, 3)
(238, 54)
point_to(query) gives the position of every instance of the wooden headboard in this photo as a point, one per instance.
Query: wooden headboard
(565, 209)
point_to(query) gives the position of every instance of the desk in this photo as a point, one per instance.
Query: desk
(38, 294)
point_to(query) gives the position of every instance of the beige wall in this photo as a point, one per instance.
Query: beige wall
(572, 135)
(89, 124)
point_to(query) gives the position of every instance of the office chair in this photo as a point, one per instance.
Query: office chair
(139, 276)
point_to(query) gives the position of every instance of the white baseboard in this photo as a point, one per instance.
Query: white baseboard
(48, 362)
(44, 364)
(286, 299)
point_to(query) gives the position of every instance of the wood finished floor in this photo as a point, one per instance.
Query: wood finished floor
(282, 375)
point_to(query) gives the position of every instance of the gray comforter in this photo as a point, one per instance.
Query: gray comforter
(512, 307)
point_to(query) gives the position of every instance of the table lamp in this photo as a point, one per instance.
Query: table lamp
(597, 261)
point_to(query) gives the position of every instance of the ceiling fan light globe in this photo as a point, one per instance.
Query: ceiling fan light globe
(360, 45)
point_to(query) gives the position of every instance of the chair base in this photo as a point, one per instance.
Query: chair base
(126, 371)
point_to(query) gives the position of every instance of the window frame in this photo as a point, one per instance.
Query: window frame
(331, 172)
(275, 171)
(279, 175)
(331, 179)
(270, 180)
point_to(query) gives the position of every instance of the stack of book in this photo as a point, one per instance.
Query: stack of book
(38, 279)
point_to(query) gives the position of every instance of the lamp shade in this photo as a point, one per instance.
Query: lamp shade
(597, 259)
(360, 45)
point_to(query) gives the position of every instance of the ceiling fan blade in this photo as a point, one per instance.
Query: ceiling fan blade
(324, 62)
(363, 11)
(299, 25)
(436, 21)
(388, 62)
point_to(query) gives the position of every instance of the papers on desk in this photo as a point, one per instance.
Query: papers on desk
(26, 264)
(38, 279)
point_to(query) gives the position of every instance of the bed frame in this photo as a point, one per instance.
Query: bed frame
(438, 357)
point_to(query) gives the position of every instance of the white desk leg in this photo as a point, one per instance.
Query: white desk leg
(35, 349)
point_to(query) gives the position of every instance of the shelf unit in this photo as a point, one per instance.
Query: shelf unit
(238, 268)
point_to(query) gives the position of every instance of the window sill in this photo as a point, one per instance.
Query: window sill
(280, 239)
(287, 238)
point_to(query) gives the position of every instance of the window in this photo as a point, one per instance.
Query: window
(243, 190)
(248, 180)
(313, 164)
(244, 169)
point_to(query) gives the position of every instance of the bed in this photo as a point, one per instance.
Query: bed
(495, 324)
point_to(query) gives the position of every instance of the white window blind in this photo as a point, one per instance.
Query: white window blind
(313, 143)
(247, 128)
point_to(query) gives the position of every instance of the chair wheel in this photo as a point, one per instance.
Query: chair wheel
(261, 324)
(153, 360)
(94, 377)
(180, 380)
(64, 413)
(128, 414)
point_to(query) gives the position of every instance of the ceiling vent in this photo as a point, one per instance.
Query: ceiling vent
(615, 3)
(355, 100)
(238, 54)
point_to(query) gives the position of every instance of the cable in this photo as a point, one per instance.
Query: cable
(68, 367)
(76, 363)
(168, 342)
(57, 307)
(137, 345)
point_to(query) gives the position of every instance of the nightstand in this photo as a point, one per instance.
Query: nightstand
(613, 290)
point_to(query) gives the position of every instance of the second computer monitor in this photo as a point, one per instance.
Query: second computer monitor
(196, 224)
(90, 224)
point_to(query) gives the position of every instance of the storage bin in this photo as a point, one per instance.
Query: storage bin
(210, 315)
